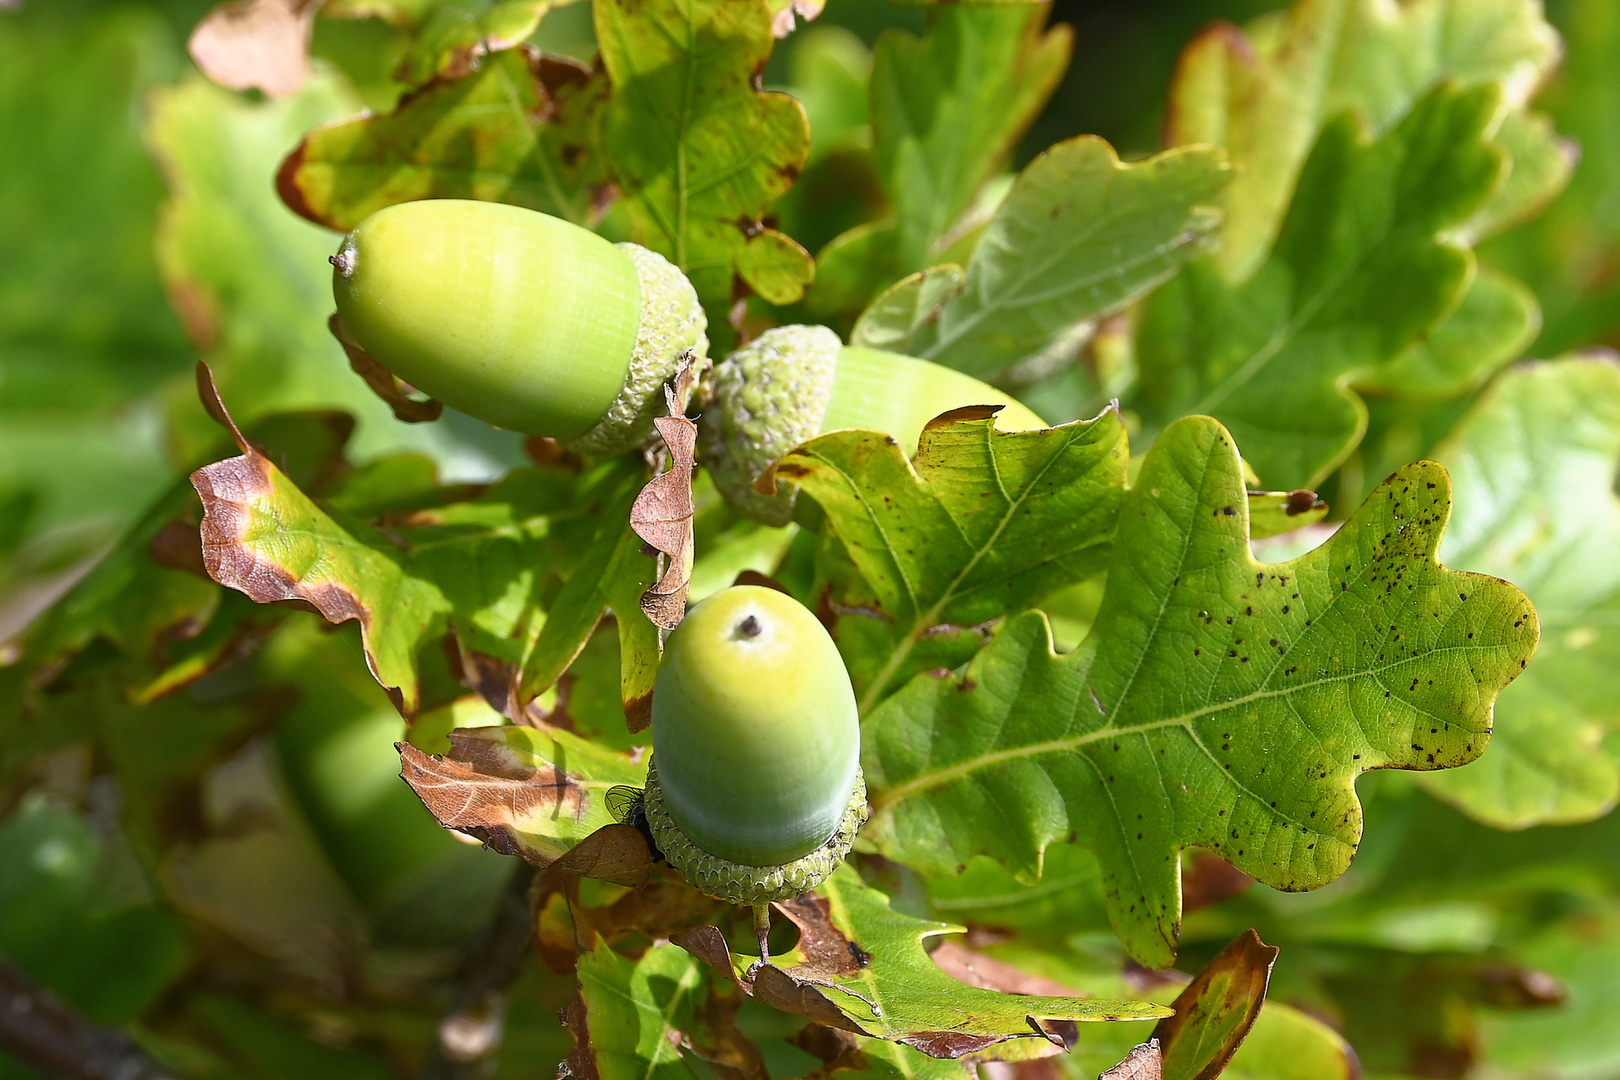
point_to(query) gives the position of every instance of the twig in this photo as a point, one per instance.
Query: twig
(61, 1043)
(471, 1029)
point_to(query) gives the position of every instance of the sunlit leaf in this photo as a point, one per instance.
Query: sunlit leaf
(1218, 701)
(515, 130)
(981, 523)
(1534, 463)
(700, 153)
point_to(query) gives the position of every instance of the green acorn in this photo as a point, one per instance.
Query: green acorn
(754, 792)
(793, 383)
(523, 320)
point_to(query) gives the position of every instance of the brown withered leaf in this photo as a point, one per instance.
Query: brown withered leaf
(256, 45)
(708, 944)
(384, 383)
(1142, 1063)
(780, 990)
(1216, 1010)
(662, 513)
(616, 853)
(533, 792)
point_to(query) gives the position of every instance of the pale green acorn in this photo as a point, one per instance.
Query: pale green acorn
(521, 319)
(754, 792)
(795, 382)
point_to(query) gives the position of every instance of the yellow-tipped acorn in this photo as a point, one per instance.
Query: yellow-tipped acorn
(795, 382)
(755, 790)
(521, 319)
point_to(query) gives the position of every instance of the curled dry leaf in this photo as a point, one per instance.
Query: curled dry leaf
(1216, 1010)
(662, 513)
(1142, 1063)
(256, 45)
(383, 383)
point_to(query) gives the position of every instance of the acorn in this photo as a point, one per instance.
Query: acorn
(754, 792)
(523, 320)
(793, 383)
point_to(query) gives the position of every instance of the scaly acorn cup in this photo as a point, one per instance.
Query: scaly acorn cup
(521, 319)
(793, 383)
(754, 792)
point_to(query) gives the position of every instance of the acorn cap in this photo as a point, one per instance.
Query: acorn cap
(793, 383)
(766, 398)
(741, 883)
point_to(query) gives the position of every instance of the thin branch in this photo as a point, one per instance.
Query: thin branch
(59, 1042)
(471, 1029)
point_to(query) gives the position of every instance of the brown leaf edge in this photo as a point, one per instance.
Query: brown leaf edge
(1235, 980)
(384, 383)
(479, 790)
(228, 490)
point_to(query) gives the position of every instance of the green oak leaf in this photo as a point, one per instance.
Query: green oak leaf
(610, 578)
(1265, 96)
(1564, 254)
(870, 961)
(699, 153)
(946, 110)
(533, 791)
(1080, 234)
(635, 1014)
(1490, 326)
(517, 129)
(474, 568)
(893, 319)
(1217, 702)
(979, 524)
(1534, 462)
(1362, 268)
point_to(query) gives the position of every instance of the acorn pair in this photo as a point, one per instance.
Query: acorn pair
(534, 324)
(537, 325)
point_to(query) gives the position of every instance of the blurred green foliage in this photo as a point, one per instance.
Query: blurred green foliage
(232, 871)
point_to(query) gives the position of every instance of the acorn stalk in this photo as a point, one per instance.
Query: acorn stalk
(793, 383)
(523, 320)
(754, 792)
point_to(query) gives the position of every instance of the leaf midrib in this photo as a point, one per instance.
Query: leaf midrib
(919, 784)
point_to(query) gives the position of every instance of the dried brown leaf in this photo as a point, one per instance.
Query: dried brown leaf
(1142, 1063)
(616, 853)
(1216, 1010)
(383, 383)
(662, 513)
(256, 45)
